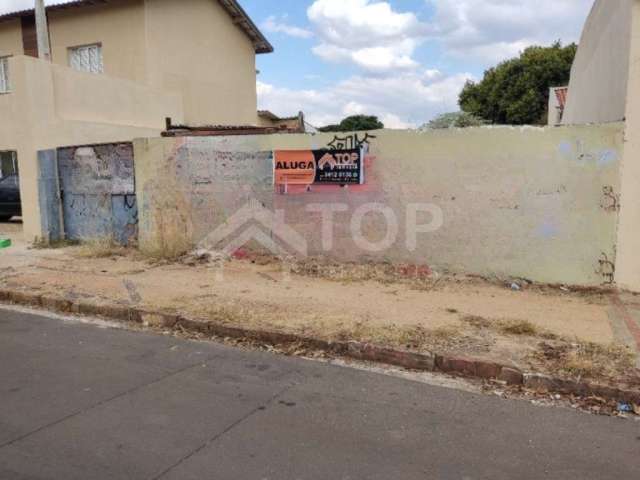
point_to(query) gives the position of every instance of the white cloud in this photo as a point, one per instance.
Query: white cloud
(374, 59)
(368, 33)
(493, 30)
(393, 121)
(401, 101)
(381, 42)
(373, 36)
(275, 25)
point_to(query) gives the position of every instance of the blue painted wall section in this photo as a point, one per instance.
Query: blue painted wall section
(49, 196)
(98, 192)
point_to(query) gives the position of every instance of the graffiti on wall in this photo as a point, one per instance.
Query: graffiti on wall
(207, 166)
(611, 200)
(98, 195)
(606, 269)
(350, 142)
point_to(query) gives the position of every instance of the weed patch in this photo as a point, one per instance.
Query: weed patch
(100, 248)
(586, 359)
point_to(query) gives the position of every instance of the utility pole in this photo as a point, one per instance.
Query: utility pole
(42, 29)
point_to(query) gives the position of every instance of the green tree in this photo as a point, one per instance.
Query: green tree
(516, 92)
(454, 120)
(355, 123)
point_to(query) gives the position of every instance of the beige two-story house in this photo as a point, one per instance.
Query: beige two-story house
(118, 69)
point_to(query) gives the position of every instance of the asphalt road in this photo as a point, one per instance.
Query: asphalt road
(82, 402)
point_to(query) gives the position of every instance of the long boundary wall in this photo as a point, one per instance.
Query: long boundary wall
(525, 202)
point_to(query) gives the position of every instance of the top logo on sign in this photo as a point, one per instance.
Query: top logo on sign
(337, 159)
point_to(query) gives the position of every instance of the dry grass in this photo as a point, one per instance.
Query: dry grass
(248, 314)
(41, 244)
(162, 254)
(100, 248)
(165, 251)
(508, 326)
(518, 327)
(594, 360)
(385, 273)
(587, 360)
(410, 337)
(230, 315)
(477, 321)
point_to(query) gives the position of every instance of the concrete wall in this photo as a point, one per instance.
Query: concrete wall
(291, 123)
(53, 106)
(118, 26)
(49, 196)
(194, 47)
(524, 202)
(10, 38)
(100, 99)
(98, 192)
(598, 87)
(628, 260)
(191, 48)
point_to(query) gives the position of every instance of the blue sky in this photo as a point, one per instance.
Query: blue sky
(403, 60)
(297, 50)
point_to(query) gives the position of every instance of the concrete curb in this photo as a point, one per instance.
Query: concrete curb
(459, 366)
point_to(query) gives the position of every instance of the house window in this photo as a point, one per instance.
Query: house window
(87, 58)
(4, 75)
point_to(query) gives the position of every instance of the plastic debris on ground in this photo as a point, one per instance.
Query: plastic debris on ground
(625, 408)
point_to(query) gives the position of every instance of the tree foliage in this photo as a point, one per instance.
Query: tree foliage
(516, 92)
(455, 120)
(355, 123)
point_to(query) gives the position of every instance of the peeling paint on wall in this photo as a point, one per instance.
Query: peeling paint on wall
(585, 154)
(98, 169)
(98, 192)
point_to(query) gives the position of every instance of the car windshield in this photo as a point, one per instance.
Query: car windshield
(10, 181)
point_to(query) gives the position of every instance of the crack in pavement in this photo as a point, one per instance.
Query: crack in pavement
(104, 402)
(217, 436)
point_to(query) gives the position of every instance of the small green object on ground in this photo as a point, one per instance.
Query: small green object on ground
(5, 242)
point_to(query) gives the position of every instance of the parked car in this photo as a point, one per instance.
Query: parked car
(10, 198)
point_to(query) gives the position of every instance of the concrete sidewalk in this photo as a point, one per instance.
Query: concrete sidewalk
(530, 329)
(81, 402)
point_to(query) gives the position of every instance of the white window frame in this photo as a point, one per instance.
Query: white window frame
(87, 64)
(5, 80)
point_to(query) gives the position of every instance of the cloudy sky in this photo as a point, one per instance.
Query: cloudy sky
(403, 60)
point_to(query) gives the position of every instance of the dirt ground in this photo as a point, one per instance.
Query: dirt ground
(575, 333)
